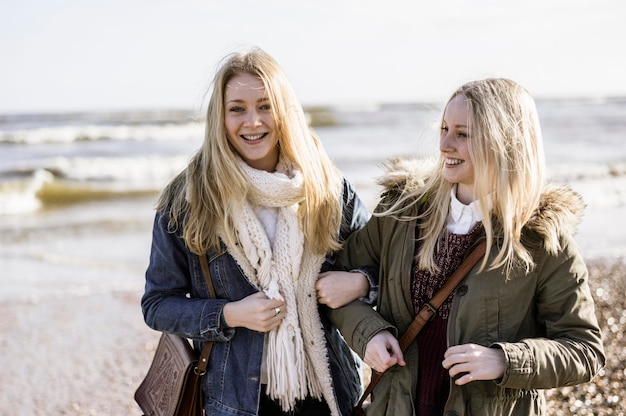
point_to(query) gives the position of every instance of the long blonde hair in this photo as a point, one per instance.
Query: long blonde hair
(202, 195)
(506, 148)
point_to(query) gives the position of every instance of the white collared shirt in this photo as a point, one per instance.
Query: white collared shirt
(462, 218)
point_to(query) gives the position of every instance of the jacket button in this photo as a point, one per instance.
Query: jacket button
(462, 290)
(452, 413)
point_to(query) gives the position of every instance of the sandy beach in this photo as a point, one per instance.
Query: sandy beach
(79, 356)
(85, 353)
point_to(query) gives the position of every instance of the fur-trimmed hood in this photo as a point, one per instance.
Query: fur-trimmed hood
(559, 211)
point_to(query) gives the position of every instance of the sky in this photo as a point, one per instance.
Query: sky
(109, 55)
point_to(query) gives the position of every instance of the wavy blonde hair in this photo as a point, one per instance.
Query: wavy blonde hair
(506, 148)
(202, 195)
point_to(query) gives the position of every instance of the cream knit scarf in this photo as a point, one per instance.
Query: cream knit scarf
(296, 358)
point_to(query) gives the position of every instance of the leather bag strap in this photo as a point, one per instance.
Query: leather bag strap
(207, 275)
(429, 310)
(203, 360)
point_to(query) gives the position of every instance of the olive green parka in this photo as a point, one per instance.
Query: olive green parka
(544, 321)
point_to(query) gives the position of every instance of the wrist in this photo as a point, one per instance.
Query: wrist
(363, 284)
(223, 322)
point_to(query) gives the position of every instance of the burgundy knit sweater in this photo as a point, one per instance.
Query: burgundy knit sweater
(433, 382)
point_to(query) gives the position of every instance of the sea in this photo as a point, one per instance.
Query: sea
(77, 190)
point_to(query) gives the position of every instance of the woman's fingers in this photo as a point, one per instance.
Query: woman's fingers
(256, 312)
(383, 351)
(474, 362)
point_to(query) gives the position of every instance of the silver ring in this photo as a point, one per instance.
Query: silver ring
(277, 310)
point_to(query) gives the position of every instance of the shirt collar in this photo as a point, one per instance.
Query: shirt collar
(459, 210)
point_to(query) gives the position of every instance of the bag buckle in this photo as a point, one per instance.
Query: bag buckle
(432, 309)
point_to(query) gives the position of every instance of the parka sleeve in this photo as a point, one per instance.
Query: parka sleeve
(357, 321)
(171, 300)
(571, 350)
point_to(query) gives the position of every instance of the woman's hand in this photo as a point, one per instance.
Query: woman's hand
(383, 351)
(336, 289)
(475, 362)
(256, 312)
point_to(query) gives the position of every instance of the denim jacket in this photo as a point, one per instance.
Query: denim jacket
(176, 300)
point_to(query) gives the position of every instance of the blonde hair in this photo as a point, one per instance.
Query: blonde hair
(203, 194)
(506, 148)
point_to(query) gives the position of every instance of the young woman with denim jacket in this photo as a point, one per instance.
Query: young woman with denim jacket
(264, 203)
(523, 320)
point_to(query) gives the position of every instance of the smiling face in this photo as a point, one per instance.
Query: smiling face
(454, 145)
(249, 122)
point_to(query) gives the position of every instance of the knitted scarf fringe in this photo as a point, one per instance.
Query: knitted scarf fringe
(296, 357)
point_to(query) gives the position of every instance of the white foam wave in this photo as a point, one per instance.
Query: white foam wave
(94, 132)
(64, 180)
(19, 194)
(132, 173)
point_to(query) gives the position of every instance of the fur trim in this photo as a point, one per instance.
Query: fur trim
(405, 174)
(559, 212)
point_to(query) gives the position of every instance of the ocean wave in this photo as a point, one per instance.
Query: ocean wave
(41, 188)
(96, 132)
(71, 180)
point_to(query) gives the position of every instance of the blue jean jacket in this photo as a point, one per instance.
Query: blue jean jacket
(176, 300)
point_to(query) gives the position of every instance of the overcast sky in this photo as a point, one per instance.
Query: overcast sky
(86, 55)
